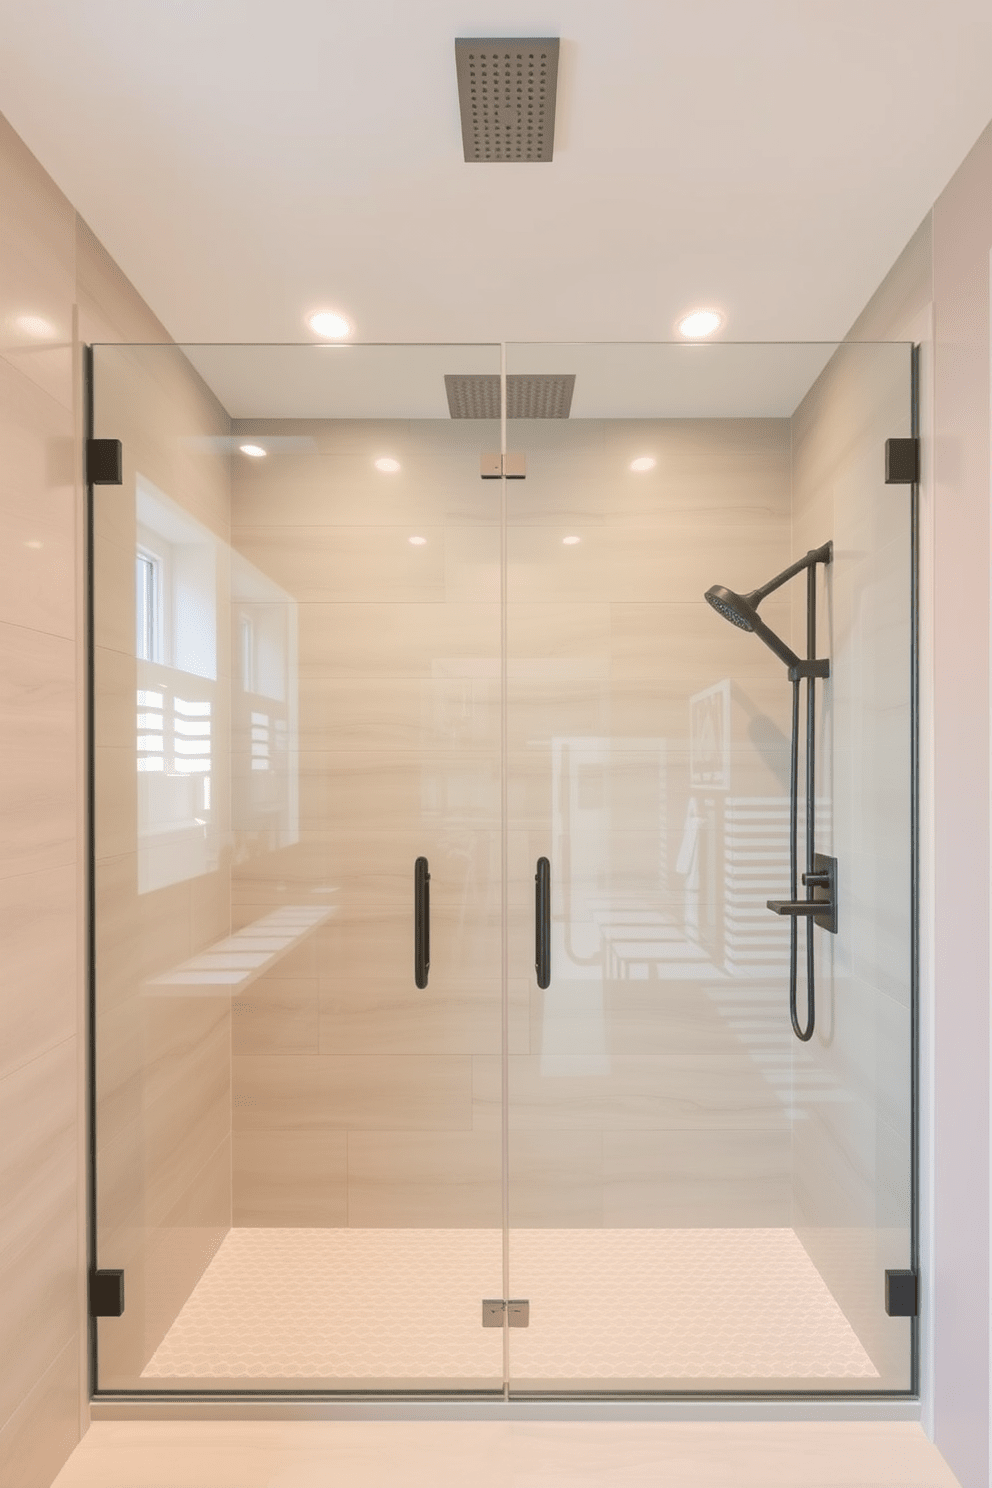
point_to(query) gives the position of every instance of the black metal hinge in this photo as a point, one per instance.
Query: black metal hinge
(902, 462)
(106, 1294)
(902, 1294)
(104, 462)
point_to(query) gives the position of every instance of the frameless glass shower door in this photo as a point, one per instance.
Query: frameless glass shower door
(697, 1200)
(297, 698)
(441, 1027)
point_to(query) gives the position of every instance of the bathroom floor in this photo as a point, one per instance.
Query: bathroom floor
(611, 1305)
(505, 1454)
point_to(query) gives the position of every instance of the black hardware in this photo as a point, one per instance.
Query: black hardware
(807, 669)
(822, 908)
(106, 1294)
(902, 462)
(421, 922)
(902, 1297)
(542, 922)
(104, 462)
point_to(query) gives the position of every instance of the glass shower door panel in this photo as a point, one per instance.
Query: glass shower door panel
(297, 662)
(697, 1201)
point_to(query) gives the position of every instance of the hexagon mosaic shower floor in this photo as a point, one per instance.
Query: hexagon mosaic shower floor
(390, 1306)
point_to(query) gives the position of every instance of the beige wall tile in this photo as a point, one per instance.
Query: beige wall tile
(38, 949)
(277, 1015)
(38, 1237)
(37, 249)
(556, 1181)
(698, 1179)
(593, 1091)
(287, 1178)
(345, 1092)
(39, 1435)
(38, 721)
(448, 1179)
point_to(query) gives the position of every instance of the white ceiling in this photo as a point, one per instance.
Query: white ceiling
(246, 161)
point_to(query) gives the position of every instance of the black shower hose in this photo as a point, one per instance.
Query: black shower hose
(803, 1034)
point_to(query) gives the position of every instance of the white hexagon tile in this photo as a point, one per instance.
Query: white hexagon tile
(405, 1304)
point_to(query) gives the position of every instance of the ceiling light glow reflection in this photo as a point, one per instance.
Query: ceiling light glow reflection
(387, 464)
(330, 324)
(643, 462)
(571, 541)
(700, 323)
(254, 450)
(37, 326)
(418, 542)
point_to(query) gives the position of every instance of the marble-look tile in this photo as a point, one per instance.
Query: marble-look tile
(698, 1179)
(39, 1250)
(440, 1179)
(555, 1180)
(37, 502)
(38, 1437)
(389, 639)
(288, 1178)
(40, 990)
(37, 248)
(359, 1015)
(594, 1091)
(277, 1015)
(38, 721)
(432, 716)
(144, 1169)
(388, 1092)
(163, 1270)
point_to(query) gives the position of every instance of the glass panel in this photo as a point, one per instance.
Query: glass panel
(697, 1199)
(297, 673)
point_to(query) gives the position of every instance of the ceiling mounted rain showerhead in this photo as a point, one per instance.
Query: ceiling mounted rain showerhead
(529, 395)
(506, 93)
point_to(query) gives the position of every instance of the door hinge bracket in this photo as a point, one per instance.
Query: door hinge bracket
(493, 466)
(104, 462)
(516, 1312)
(902, 462)
(106, 1294)
(902, 1294)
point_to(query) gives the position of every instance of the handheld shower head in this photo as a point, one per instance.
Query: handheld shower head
(742, 609)
(733, 607)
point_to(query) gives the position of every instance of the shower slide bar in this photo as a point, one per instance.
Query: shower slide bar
(819, 907)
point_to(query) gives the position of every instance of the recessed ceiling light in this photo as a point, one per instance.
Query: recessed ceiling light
(699, 323)
(418, 542)
(255, 450)
(571, 541)
(32, 543)
(387, 464)
(643, 462)
(330, 324)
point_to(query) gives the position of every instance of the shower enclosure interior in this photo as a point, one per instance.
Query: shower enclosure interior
(380, 636)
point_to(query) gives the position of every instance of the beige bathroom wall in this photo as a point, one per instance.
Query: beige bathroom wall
(57, 286)
(357, 1099)
(163, 1156)
(852, 1082)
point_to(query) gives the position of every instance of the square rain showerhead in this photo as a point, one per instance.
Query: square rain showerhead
(529, 395)
(506, 91)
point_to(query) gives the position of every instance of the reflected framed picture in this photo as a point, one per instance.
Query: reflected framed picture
(709, 737)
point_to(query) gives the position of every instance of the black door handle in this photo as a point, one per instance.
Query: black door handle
(421, 922)
(542, 922)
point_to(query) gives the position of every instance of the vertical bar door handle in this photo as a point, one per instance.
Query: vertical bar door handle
(421, 922)
(542, 922)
